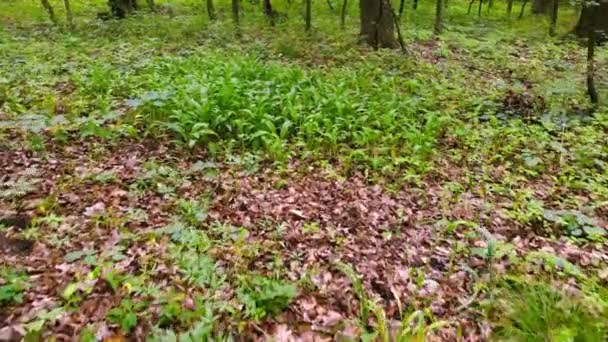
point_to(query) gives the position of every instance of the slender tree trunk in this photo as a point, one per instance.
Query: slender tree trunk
(330, 5)
(438, 17)
(415, 5)
(377, 24)
(343, 13)
(49, 9)
(554, 11)
(68, 14)
(211, 10)
(121, 8)
(236, 15)
(523, 9)
(308, 15)
(151, 5)
(509, 7)
(480, 7)
(269, 11)
(470, 6)
(401, 8)
(591, 90)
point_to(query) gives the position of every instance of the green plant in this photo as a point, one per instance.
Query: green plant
(12, 286)
(264, 296)
(125, 314)
(531, 311)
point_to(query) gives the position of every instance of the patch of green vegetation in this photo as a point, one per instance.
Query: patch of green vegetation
(12, 286)
(263, 296)
(537, 312)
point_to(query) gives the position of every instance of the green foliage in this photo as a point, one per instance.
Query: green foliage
(264, 296)
(125, 314)
(537, 312)
(12, 286)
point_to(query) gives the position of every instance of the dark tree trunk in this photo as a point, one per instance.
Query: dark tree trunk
(236, 15)
(480, 7)
(541, 6)
(523, 9)
(401, 7)
(438, 17)
(308, 18)
(591, 32)
(49, 9)
(554, 11)
(121, 8)
(415, 5)
(330, 5)
(151, 5)
(269, 11)
(510, 7)
(377, 23)
(601, 25)
(211, 10)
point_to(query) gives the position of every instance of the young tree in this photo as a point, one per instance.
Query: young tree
(377, 23)
(49, 9)
(509, 7)
(438, 17)
(68, 13)
(343, 13)
(554, 11)
(308, 14)
(236, 9)
(211, 10)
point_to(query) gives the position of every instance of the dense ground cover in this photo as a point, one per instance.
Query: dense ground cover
(161, 178)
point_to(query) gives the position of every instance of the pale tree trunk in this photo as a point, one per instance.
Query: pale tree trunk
(377, 24)
(49, 9)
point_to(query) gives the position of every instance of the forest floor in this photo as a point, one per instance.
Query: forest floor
(163, 180)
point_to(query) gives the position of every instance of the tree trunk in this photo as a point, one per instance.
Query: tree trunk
(593, 96)
(541, 6)
(151, 5)
(68, 13)
(377, 24)
(587, 16)
(401, 7)
(268, 11)
(308, 15)
(236, 16)
(438, 17)
(523, 9)
(211, 10)
(343, 13)
(554, 11)
(121, 8)
(509, 7)
(415, 5)
(49, 9)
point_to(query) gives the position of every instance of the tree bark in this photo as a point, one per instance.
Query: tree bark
(541, 6)
(554, 11)
(236, 16)
(121, 8)
(68, 13)
(343, 13)
(211, 10)
(401, 7)
(523, 9)
(415, 5)
(49, 9)
(269, 11)
(509, 7)
(438, 17)
(377, 24)
(587, 16)
(591, 91)
(308, 18)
